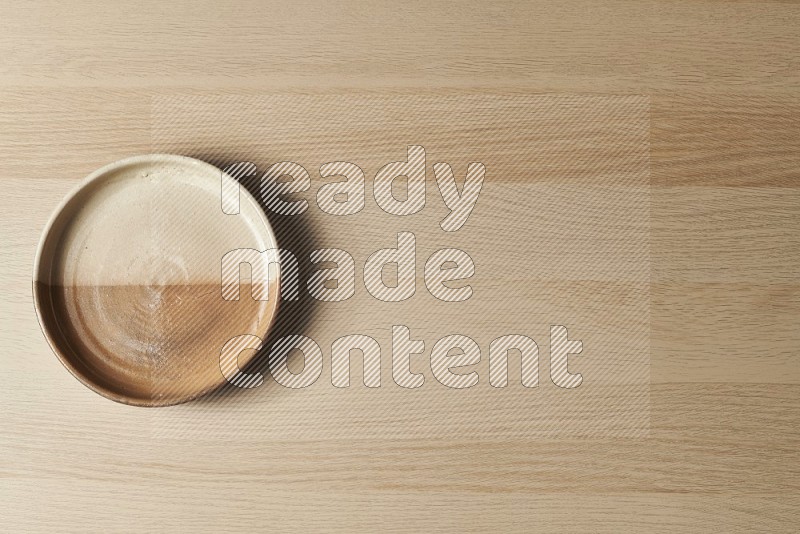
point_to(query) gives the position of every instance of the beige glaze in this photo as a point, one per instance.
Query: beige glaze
(127, 279)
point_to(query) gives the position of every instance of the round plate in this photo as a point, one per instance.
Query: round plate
(127, 279)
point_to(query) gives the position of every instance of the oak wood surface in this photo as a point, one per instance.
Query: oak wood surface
(78, 88)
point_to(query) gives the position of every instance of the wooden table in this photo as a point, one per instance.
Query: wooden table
(717, 86)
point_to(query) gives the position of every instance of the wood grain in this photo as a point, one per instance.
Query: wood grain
(78, 85)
